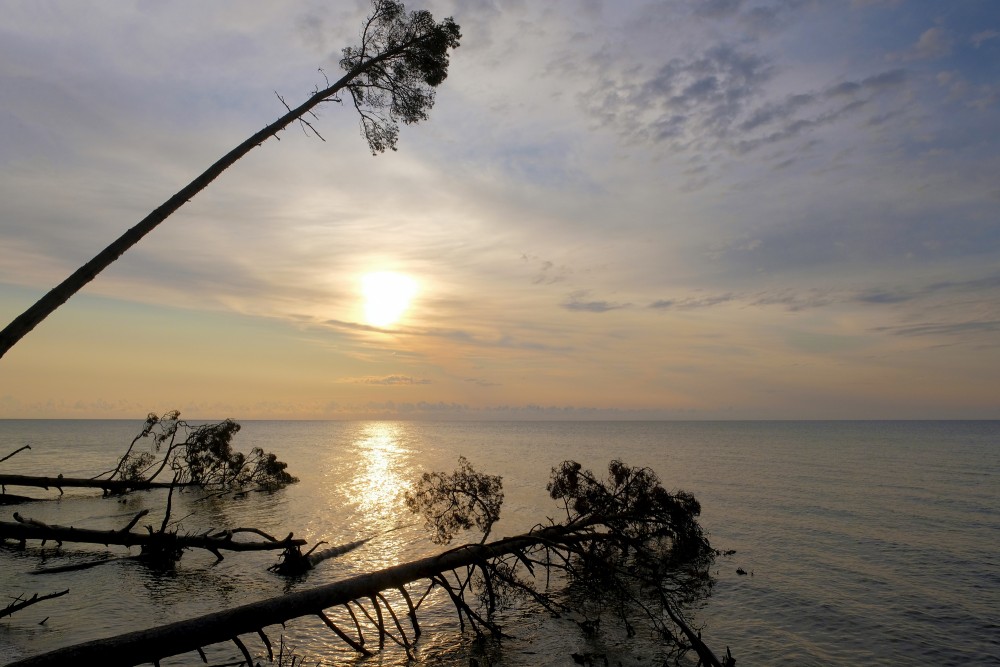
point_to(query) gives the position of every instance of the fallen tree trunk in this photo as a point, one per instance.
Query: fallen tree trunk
(155, 542)
(627, 550)
(154, 644)
(107, 485)
(157, 643)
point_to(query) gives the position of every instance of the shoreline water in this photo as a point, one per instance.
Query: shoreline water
(869, 541)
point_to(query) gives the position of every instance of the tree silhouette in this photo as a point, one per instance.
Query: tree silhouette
(626, 551)
(390, 77)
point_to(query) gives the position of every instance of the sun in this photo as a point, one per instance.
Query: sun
(387, 296)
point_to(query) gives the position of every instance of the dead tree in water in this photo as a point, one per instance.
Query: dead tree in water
(196, 455)
(157, 545)
(200, 456)
(108, 486)
(626, 545)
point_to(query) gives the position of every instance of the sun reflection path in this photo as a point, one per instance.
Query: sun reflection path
(379, 483)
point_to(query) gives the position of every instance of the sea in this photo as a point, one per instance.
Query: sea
(863, 542)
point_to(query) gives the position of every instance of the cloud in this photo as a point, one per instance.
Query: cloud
(933, 43)
(769, 19)
(951, 287)
(575, 304)
(795, 300)
(799, 113)
(721, 99)
(388, 380)
(480, 382)
(353, 326)
(879, 297)
(979, 38)
(547, 272)
(693, 303)
(592, 306)
(944, 328)
(717, 8)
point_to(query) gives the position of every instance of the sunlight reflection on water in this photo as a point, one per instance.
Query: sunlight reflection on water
(381, 478)
(867, 539)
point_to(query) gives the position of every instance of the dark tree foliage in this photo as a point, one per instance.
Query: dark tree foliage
(457, 501)
(399, 88)
(201, 455)
(627, 548)
(653, 554)
(632, 502)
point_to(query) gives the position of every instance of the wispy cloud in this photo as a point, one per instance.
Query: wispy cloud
(388, 380)
(692, 303)
(980, 38)
(944, 328)
(933, 43)
(579, 302)
(724, 95)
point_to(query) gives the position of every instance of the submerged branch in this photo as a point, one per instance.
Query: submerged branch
(20, 449)
(20, 603)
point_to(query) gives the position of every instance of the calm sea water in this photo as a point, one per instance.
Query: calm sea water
(869, 542)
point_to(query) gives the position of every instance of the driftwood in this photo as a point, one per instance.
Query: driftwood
(365, 593)
(190, 635)
(383, 605)
(109, 486)
(20, 603)
(154, 542)
(627, 550)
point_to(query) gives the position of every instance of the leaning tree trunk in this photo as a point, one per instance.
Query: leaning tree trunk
(157, 643)
(408, 49)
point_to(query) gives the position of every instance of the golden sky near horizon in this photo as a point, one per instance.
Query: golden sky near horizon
(736, 209)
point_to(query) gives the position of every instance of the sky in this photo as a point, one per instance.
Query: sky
(687, 209)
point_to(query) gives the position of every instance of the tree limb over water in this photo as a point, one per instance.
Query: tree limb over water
(201, 456)
(626, 547)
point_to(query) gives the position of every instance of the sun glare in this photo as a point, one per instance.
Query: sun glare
(387, 296)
